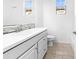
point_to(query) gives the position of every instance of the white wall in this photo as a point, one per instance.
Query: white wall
(61, 25)
(14, 13)
(39, 15)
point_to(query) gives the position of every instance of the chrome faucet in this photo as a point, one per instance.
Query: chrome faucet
(19, 28)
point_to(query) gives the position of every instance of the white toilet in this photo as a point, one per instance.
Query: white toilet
(51, 39)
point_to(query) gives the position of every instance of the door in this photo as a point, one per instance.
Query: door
(31, 54)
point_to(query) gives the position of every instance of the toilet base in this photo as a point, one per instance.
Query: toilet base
(50, 43)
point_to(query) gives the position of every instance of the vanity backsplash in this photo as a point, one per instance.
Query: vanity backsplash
(17, 28)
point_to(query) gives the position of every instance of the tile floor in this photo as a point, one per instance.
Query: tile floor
(59, 51)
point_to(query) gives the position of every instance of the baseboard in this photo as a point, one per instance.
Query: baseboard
(63, 42)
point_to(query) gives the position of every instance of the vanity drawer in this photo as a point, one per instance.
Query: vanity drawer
(22, 47)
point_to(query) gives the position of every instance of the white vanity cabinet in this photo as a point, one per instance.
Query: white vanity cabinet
(33, 48)
(42, 47)
(30, 54)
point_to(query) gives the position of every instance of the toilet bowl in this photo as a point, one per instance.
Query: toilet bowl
(51, 39)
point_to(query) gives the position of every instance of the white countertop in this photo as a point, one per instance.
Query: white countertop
(14, 39)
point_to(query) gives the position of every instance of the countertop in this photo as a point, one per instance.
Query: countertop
(13, 39)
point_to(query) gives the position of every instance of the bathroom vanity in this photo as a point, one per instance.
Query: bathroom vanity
(27, 44)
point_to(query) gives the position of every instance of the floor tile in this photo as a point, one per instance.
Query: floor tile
(58, 57)
(60, 51)
(68, 57)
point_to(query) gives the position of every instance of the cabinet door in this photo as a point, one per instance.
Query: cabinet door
(42, 47)
(45, 45)
(31, 54)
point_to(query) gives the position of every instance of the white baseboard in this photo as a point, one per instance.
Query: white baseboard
(63, 42)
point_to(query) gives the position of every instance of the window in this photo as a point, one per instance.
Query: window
(28, 7)
(60, 3)
(60, 7)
